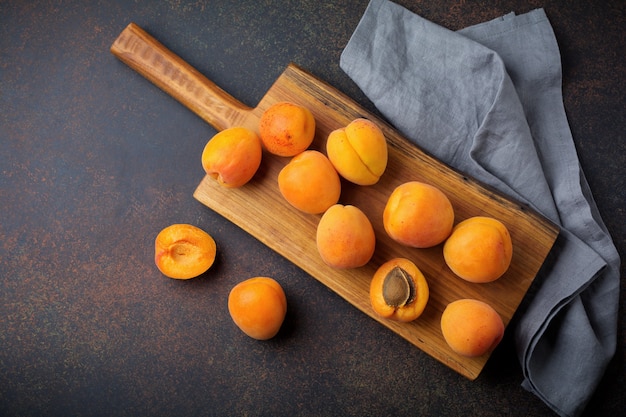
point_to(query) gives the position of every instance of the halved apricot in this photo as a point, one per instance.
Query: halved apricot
(183, 251)
(399, 291)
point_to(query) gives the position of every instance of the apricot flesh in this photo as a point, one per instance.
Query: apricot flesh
(418, 215)
(309, 182)
(258, 307)
(345, 237)
(184, 251)
(358, 151)
(399, 291)
(286, 129)
(232, 156)
(479, 249)
(471, 327)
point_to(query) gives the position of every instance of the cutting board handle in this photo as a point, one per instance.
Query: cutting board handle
(150, 58)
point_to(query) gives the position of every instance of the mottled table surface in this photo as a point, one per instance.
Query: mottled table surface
(95, 161)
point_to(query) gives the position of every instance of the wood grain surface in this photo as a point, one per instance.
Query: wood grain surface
(259, 209)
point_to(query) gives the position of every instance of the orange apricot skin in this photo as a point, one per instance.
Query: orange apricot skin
(309, 182)
(418, 215)
(183, 251)
(232, 156)
(479, 249)
(286, 129)
(471, 327)
(258, 307)
(345, 237)
(358, 151)
(408, 312)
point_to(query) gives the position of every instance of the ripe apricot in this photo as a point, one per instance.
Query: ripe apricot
(358, 151)
(232, 156)
(479, 249)
(309, 182)
(418, 215)
(399, 290)
(183, 251)
(258, 307)
(345, 237)
(471, 327)
(286, 129)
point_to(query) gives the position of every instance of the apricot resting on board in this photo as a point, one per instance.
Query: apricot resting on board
(358, 152)
(479, 249)
(309, 182)
(286, 129)
(183, 251)
(258, 307)
(399, 291)
(471, 327)
(345, 237)
(418, 215)
(232, 156)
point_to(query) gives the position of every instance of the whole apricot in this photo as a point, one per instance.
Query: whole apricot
(309, 182)
(183, 251)
(232, 156)
(418, 215)
(345, 237)
(398, 290)
(479, 249)
(358, 151)
(286, 129)
(471, 327)
(258, 307)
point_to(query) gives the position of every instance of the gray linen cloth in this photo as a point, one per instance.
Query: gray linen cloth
(487, 100)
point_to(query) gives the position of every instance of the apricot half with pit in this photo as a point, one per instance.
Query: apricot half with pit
(232, 156)
(309, 182)
(258, 307)
(399, 291)
(184, 251)
(418, 215)
(358, 151)
(471, 327)
(286, 129)
(345, 237)
(479, 249)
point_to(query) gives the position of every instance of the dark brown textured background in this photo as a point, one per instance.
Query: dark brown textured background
(95, 161)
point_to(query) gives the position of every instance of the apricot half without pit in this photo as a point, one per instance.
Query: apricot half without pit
(183, 251)
(399, 290)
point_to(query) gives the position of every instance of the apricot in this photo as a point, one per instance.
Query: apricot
(345, 237)
(358, 152)
(398, 290)
(418, 215)
(309, 182)
(471, 327)
(479, 249)
(232, 156)
(286, 129)
(258, 307)
(183, 251)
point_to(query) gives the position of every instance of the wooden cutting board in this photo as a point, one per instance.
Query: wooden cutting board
(259, 208)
